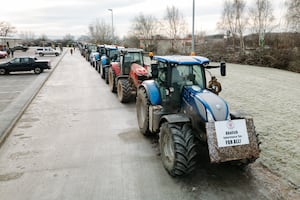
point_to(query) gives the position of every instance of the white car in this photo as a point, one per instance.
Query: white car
(46, 51)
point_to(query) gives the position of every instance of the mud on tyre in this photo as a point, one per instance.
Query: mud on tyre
(142, 108)
(124, 90)
(177, 147)
(111, 80)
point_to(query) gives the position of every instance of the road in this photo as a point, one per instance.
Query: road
(76, 141)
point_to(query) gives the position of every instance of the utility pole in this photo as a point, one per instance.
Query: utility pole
(193, 30)
(112, 25)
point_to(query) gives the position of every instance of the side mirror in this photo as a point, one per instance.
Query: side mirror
(154, 70)
(223, 68)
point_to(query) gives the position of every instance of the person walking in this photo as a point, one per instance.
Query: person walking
(71, 50)
(12, 52)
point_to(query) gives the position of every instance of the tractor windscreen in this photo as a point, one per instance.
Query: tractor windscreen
(136, 57)
(114, 55)
(92, 48)
(188, 75)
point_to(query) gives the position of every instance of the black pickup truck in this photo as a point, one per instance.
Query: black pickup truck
(24, 64)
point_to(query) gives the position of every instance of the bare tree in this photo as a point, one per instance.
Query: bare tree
(27, 37)
(234, 20)
(262, 19)
(175, 24)
(68, 39)
(293, 14)
(100, 32)
(6, 28)
(145, 27)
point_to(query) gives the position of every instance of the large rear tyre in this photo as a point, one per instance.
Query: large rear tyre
(177, 147)
(111, 80)
(124, 90)
(142, 111)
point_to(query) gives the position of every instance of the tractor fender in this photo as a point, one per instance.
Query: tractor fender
(104, 60)
(116, 68)
(175, 118)
(152, 92)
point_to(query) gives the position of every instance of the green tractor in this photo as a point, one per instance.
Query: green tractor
(179, 106)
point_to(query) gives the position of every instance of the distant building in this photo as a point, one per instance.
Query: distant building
(8, 42)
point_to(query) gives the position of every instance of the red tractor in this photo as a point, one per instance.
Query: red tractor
(125, 76)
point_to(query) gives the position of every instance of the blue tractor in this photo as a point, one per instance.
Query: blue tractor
(177, 104)
(110, 54)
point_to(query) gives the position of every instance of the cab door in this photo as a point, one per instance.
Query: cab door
(25, 64)
(15, 64)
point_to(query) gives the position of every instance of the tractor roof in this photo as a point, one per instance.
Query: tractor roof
(110, 47)
(130, 50)
(183, 60)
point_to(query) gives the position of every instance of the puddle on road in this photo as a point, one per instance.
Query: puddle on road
(10, 176)
(131, 135)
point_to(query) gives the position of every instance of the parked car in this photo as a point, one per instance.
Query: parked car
(41, 51)
(20, 47)
(24, 64)
(3, 54)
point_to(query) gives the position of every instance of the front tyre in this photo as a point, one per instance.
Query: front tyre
(142, 111)
(111, 80)
(177, 147)
(124, 90)
(106, 75)
(102, 71)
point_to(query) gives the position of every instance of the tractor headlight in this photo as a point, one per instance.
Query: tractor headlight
(205, 64)
(210, 117)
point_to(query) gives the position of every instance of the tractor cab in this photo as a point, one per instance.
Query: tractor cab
(173, 73)
(130, 58)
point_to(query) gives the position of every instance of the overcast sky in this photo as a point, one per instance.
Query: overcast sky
(61, 17)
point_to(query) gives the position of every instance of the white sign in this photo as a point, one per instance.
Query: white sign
(231, 133)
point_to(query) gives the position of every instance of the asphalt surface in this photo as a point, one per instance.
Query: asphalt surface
(76, 141)
(18, 89)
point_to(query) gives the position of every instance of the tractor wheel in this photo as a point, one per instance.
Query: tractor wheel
(124, 90)
(106, 75)
(142, 110)
(102, 70)
(177, 147)
(111, 80)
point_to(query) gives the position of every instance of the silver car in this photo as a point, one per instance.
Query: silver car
(41, 51)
